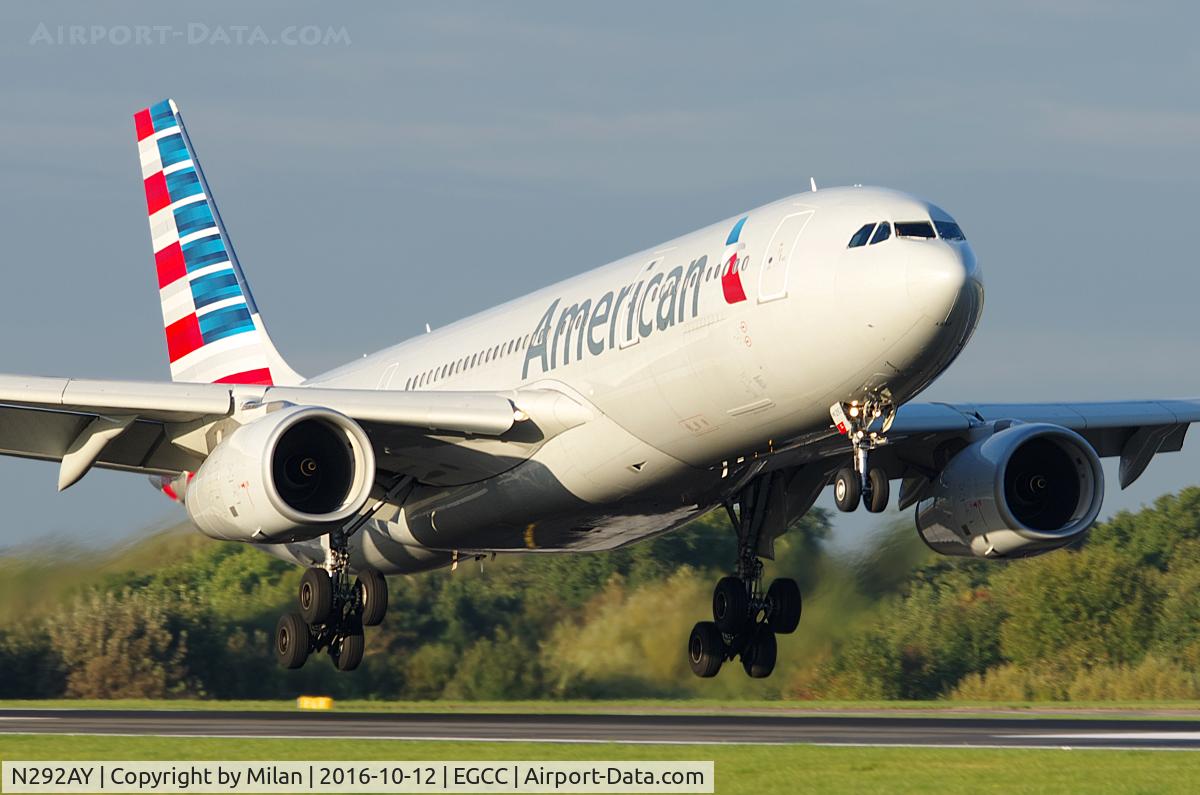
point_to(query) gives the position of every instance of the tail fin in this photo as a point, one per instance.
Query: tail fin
(214, 331)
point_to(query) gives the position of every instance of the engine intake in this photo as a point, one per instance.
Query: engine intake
(287, 476)
(1024, 490)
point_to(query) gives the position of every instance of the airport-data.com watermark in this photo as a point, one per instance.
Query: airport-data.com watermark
(195, 33)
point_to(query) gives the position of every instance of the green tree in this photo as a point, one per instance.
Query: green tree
(945, 625)
(1178, 634)
(121, 645)
(1150, 536)
(29, 665)
(1078, 609)
(500, 668)
(867, 666)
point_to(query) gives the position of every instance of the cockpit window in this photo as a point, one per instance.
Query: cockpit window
(882, 233)
(914, 229)
(948, 230)
(862, 236)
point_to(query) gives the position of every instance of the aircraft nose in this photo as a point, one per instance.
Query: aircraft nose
(936, 278)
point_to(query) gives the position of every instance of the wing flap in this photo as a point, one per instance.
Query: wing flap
(48, 435)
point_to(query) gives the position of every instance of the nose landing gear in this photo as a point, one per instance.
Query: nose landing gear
(745, 618)
(861, 482)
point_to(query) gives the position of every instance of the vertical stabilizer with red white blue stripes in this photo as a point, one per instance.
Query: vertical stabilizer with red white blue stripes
(214, 331)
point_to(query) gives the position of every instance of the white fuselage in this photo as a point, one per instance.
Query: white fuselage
(687, 380)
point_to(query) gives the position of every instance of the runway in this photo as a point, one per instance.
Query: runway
(874, 730)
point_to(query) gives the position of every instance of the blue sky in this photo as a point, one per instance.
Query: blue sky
(438, 158)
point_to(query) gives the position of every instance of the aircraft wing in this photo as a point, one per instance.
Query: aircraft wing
(152, 427)
(1134, 430)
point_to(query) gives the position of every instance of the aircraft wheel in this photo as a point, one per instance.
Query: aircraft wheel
(877, 498)
(291, 640)
(847, 490)
(706, 649)
(373, 595)
(758, 658)
(786, 605)
(316, 596)
(347, 650)
(731, 605)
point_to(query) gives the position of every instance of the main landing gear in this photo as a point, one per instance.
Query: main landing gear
(861, 482)
(333, 612)
(745, 619)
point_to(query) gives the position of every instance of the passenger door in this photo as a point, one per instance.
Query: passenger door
(778, 256)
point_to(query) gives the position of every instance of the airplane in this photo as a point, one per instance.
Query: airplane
(745, 366)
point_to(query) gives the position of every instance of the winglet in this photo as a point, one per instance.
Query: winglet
(214, 331)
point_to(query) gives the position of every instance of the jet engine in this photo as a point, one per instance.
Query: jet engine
(290, 475)
(1025, 490)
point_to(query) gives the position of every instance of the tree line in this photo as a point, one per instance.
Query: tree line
(1117, 617)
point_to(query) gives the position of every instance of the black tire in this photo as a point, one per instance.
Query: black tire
(877, 497)
(758, 658)
(373, 595)
(847, 490)
(706, 649)
(291, 640)
(316, 596)
(786, 605)
(731, 605)
(347, 650)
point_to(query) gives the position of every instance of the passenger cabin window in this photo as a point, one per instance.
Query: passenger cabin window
(882, 233)
(948, 230)
(921, 229)
(861, 236)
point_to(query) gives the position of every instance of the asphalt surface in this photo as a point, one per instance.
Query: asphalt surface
(880, 730)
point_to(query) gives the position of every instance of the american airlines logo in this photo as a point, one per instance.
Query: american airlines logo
(731, 277)
(618, 317)
(655, 301)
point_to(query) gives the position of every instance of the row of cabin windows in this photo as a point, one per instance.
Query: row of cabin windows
(457, 366)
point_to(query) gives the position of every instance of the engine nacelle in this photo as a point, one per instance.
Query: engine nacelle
(288, 476)
(1027, 489)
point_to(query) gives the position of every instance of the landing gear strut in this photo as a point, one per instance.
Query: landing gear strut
(333, 608)
(861, 482)
(333, 611)
(745, 618)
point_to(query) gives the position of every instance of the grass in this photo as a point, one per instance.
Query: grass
(739, 768)
(1081, 709)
